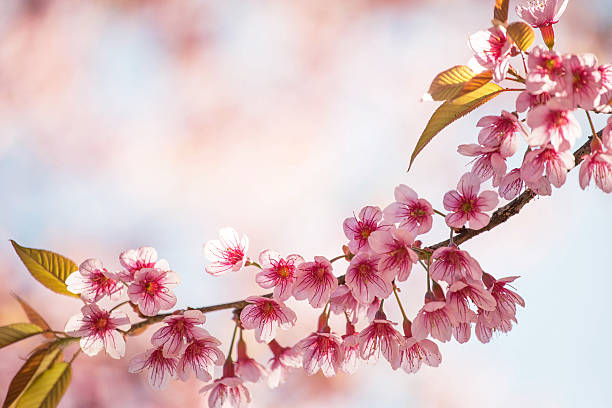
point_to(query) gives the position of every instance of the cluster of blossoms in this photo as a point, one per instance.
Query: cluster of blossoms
(382, 248)
(145, 280)
(556, 85)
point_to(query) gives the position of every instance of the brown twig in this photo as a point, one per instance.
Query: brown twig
(500, 216)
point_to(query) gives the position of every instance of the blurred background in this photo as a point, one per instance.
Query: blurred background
(126, 123)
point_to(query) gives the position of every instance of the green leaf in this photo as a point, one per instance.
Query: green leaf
(48, 388)
(34, 317)
(500, 13)
(450, 111)
(18, 331)
(447, 84)
(522, 35)
(47, 267)
(38, 362)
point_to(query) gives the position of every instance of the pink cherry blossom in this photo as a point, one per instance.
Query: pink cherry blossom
(460, 305)
(606, 134)
(93, 282)
(278, 273)
(351, 350)
(98, 330)
(503, 131)
(546, 72)
(322, 351)
(450, 264)
(500, 319)
(177, 327)
(467, 205)
(540, 13)
(552, 125)
(540, 186)
(554, 164)
(373, 308)
(412, 212)
(526, 100)
(161, 369)
(247, 368)
(265, 315)
(459, 293)
(394, 248)
(486, 325)
(581, 83)
(597, 165)
(342, 301)
(227, 391)
(284, 361)
(358, 230)
(511, 185)
(418, 352)
(200, 356)
(492, 49)
(434, 318)
(483, 331)
(365, 280)
(228, 253)
(462, 331)
(134, 260)
(151, 290)
(315, 281)
(505, 299)
(489, 162)
(380, 337)
(605, 94)
(350, 346)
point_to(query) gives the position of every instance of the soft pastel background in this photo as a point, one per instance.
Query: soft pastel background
(126, 123)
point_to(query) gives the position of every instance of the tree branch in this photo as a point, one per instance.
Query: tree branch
(500, 216)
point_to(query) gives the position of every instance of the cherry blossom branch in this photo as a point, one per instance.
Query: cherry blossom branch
(500, 216)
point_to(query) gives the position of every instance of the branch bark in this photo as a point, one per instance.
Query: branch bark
(500, 216)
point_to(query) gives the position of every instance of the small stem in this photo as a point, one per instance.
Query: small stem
(75, 356)
(439, 213)
(451, 237)
(399, 303)
(325, 308)
(514, 89)
(336, 258)
(55, 333)
(229, 353)
(524, 64)
(418, 250)
(519, 80)
(511, 71)
(348, 320)
(591, 123)
(119, 305)
(428, 277)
